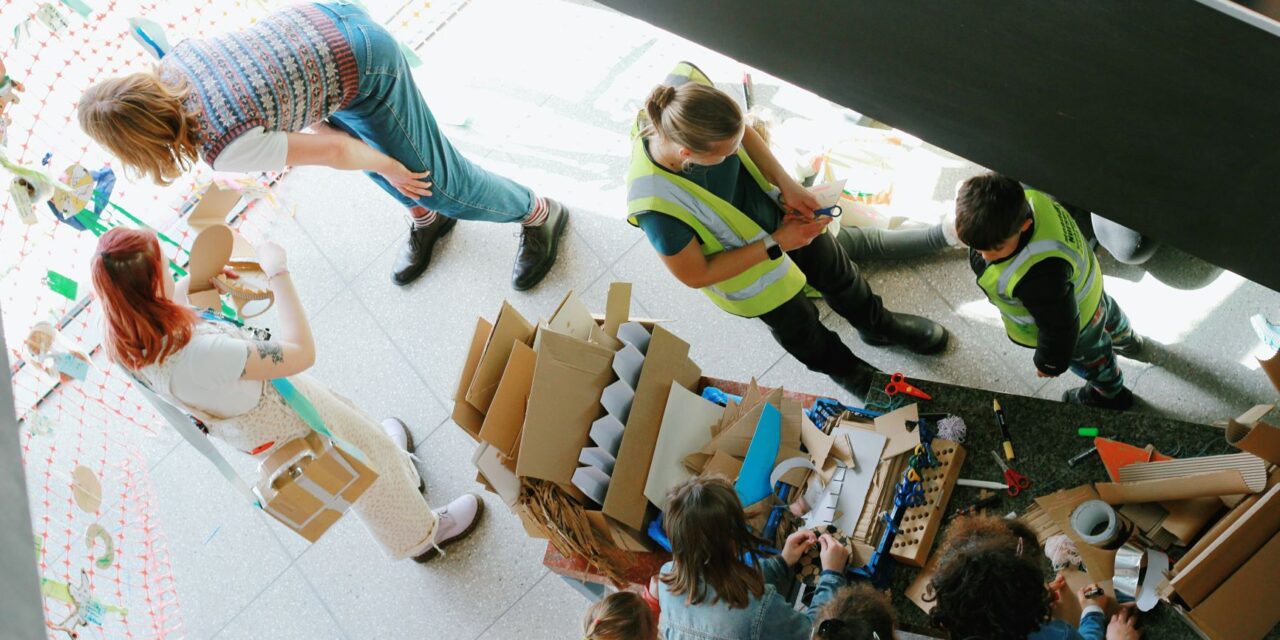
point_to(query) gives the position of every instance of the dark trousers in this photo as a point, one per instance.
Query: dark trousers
(796, 324)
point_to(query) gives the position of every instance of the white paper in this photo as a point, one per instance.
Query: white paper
(593, 482)
(627, 363)
(686, 428)
(596, 457)
(617, 399)
(502, 479)
(572, 319)
(634, 333)
(828, 193)
(867, 445)
(787, 465)
(606, 432)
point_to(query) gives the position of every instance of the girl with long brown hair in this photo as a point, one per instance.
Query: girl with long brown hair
(215, 371)
(719, 586)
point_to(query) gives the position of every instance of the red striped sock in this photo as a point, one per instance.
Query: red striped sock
(539, 213)
(422, 217)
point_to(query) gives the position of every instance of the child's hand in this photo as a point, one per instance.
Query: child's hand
(797, 543)
(1055, 589)
(835, 556)
(1092, 595)
(1124, 626)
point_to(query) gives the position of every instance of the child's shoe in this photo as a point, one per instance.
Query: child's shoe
(1086, 396)
(456, 521)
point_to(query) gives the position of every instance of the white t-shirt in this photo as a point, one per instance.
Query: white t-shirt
(254, 150)
(205, 374)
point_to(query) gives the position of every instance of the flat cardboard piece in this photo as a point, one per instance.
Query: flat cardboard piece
(501, 480)
(723, 464)
(666, 363)
(1224, 555)
(857, 482)
(213, 208)
(1201, 485)
(572, 318)
(510, 328)
(1244, 606)
(210, 252)
(468, 417)
(1250, 433)
(1100, 563)
(505, 420)
(563, 402)
(686, 427)
(894, 426)
(617, 308)
(1271, 366)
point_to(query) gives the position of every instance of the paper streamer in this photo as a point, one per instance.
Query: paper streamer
(1130, 580)
(96, 531)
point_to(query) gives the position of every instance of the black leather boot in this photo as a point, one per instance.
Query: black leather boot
(918, 334)
(538, 247)
(416, 253)
(857, 383)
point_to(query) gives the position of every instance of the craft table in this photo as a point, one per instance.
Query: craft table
(1044, 438)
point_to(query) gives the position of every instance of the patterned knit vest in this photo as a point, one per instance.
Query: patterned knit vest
(286, 72)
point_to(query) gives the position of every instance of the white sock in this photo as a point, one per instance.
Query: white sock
(421, 217)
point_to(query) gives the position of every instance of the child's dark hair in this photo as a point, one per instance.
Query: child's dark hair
(969, 529)
(985, 589)
(620, 616)
(989, 210)
(709, 539)
(861, 610)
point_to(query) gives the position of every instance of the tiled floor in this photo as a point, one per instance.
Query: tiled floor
(555, 116)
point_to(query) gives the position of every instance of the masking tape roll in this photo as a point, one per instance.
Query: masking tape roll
(1098, 524)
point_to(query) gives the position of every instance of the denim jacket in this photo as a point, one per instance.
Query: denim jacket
(1093, 626)
(769, 617)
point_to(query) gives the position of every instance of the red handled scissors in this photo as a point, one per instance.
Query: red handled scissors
(898, 384)
(1015, 482)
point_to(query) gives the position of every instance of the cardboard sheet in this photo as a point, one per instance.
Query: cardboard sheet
(1200, 485)
(686, 428)
(1252, 468)
(894, 427)
(465, 415)
(1100, 563)
(867, 445)
(1250, 433)
(502, 425)
(572, 318)
(1197, 579)
(511, 327)
(1244, 606)
(501, 479)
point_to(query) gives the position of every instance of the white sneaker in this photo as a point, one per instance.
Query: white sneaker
(456, 521)
(398, 431)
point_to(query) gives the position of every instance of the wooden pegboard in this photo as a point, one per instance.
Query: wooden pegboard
(921, 524)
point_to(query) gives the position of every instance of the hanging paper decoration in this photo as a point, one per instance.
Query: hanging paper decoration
(51, 18)
(96, 531)
(79, 7)
(150, 36)
(62, 285)
(87, 489)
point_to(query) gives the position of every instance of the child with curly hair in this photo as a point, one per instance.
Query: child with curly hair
(719, 585)
(989, 585)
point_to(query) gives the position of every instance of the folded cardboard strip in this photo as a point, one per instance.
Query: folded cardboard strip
(1251, 433)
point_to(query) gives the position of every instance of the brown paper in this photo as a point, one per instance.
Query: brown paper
(505, 420)
(1224, 555)
(1271, 366)
(467, 416)
(510, 328)
(1200, 485)
(894, 427)
(1244, 606)
(1250, 433)
(1100, 562)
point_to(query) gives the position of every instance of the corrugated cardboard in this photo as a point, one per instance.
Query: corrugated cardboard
(503, 423)
(1229, 551)
(666, 363)
(1250, 433)
(1252, 468)
(510, 328)
(1244, 606)
(1100, 562)
(467, 416)
(564, 400)
(1201, 485)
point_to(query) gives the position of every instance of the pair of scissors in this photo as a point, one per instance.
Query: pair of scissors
(898, 384)
(1014, 482)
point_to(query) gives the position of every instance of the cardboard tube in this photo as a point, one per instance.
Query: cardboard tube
(1201, 485)
(1272, 367)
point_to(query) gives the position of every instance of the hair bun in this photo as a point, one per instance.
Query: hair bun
(662, 96)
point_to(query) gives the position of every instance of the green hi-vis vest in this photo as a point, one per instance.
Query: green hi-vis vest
(719, 225)
(1054, 235)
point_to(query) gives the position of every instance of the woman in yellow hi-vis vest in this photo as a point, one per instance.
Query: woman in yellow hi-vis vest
(702, 187)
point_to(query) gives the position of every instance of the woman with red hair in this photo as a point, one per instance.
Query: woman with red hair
(215, 370)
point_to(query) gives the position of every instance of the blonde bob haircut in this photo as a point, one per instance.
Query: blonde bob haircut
(144, 122)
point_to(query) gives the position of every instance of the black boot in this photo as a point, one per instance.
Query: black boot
(1086, 396)
(857, 383)
(918, 334)
(538, 247)
(416, 253)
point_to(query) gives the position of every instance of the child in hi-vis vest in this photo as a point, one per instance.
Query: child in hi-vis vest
(1038, 270)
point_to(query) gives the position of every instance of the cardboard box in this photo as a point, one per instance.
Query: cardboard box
(466, 416)
(509, 329)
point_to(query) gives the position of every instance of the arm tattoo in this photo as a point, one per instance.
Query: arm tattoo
(272, 350)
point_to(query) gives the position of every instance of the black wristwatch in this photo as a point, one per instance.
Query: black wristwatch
(772, 248)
